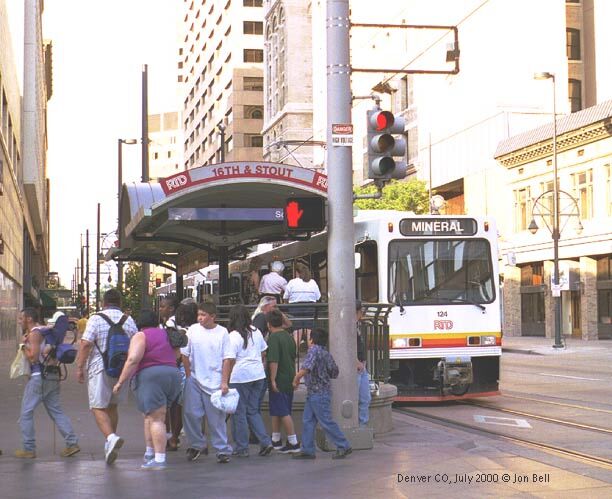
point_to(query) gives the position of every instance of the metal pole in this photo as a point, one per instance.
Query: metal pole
(223, 271)
(119, 185)
(82, 288)
(556, 234)
(144, 283)
(221, 128)
(87, 269)
(340, 247)
(98, 262)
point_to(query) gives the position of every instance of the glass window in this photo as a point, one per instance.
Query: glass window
(253, 55)
(440, 272)
(366, 277)
(583, 192)
(573, 44)
(574, 92)
(252, 3)
(253, 112)
(252, 140)
(252, 27)
(522, 209)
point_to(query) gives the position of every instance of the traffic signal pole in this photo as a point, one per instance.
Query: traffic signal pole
(341, 259)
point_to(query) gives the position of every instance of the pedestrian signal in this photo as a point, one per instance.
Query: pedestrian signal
(305, 214)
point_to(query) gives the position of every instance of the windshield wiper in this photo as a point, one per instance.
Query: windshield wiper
(465, 300)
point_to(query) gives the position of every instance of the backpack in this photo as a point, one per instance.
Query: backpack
(117, 346)
(64, 353)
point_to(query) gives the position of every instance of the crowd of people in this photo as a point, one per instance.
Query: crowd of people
(179, 384)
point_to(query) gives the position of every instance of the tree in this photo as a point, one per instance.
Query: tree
(409, 195)
(131, 288)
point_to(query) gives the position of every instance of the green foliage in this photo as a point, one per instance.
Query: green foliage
(409, 195)
(131, 288)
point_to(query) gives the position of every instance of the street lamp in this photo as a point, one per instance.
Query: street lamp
(554, 228)
(120, 143)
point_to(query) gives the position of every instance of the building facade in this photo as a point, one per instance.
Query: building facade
(584, 159)
(24, 188)
(221, 72)
(165, 147)
(287, 130)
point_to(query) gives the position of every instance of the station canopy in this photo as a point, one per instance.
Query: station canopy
(184, 221)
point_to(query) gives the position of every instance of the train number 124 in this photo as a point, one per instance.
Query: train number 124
(442, 313)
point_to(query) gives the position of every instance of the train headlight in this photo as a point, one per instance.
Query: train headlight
(399, 343)
(487, 340)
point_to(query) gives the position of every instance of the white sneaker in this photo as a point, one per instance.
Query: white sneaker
(111, 448)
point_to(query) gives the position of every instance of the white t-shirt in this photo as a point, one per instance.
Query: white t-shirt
(206, 350)
(272, 283)
(249, 366)
(300, 291)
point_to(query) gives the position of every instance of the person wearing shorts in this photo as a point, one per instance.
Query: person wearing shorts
(157, 384)
(281, 365)
(102, 401)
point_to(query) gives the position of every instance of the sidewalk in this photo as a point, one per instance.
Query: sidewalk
(417, 458)
(544, 346)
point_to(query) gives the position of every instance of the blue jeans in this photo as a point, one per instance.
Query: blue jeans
(248, 415)
(46, 391)
(365, 397)
(317, 409)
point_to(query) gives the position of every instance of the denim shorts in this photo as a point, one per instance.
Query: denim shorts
(280, 403)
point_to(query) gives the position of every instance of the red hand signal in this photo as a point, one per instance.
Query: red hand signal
(293, 214)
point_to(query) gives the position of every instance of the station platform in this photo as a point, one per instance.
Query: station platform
(416, 459)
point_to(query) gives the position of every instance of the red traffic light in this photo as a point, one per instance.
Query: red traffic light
(305, 214)
(384, 120)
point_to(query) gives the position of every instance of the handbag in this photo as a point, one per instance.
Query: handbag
(20, 365)
(177, 337)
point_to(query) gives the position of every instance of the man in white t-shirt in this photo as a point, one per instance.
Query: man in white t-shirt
(206, 361)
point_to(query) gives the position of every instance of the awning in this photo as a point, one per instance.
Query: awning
(187, 218)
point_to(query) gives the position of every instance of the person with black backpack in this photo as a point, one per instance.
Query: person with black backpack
(103, 352)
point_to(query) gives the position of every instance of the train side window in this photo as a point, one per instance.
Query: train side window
(366, 276)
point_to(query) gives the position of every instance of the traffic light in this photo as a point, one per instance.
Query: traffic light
(305, 214)
(382, 146)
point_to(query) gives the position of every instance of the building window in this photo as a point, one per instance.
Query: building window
(252, 140)
(252, 3)
(252, 28)
(532, 274)
(583, 192)
(573, 44)
(608, 171)
(253, 83)
(522, 209)
(253, 112)
(253, 55)
(574, 93)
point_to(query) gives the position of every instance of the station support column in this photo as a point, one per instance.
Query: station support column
(341, 259)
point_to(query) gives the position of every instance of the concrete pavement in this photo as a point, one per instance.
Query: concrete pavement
(417, 458)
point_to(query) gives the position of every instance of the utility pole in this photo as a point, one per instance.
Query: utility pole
(98, 261)
(87, 269)
(342, 337)
(144, 283)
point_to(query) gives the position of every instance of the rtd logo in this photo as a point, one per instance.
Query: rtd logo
(176, 182)
(444, 325)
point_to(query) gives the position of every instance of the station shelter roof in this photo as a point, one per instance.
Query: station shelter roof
(184, 220)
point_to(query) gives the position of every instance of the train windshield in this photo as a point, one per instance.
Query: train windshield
(443, 271)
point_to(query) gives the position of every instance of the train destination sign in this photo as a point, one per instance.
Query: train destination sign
(243, 170)
(438, 226)
(227, 214)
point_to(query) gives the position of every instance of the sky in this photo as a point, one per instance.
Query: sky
(99, 48)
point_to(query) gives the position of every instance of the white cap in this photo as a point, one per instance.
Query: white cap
(56, 316)
(277, 266)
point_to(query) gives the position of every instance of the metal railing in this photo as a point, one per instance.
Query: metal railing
(315, 315)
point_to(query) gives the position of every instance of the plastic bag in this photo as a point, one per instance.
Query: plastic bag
(20, 365)
(226, 403)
